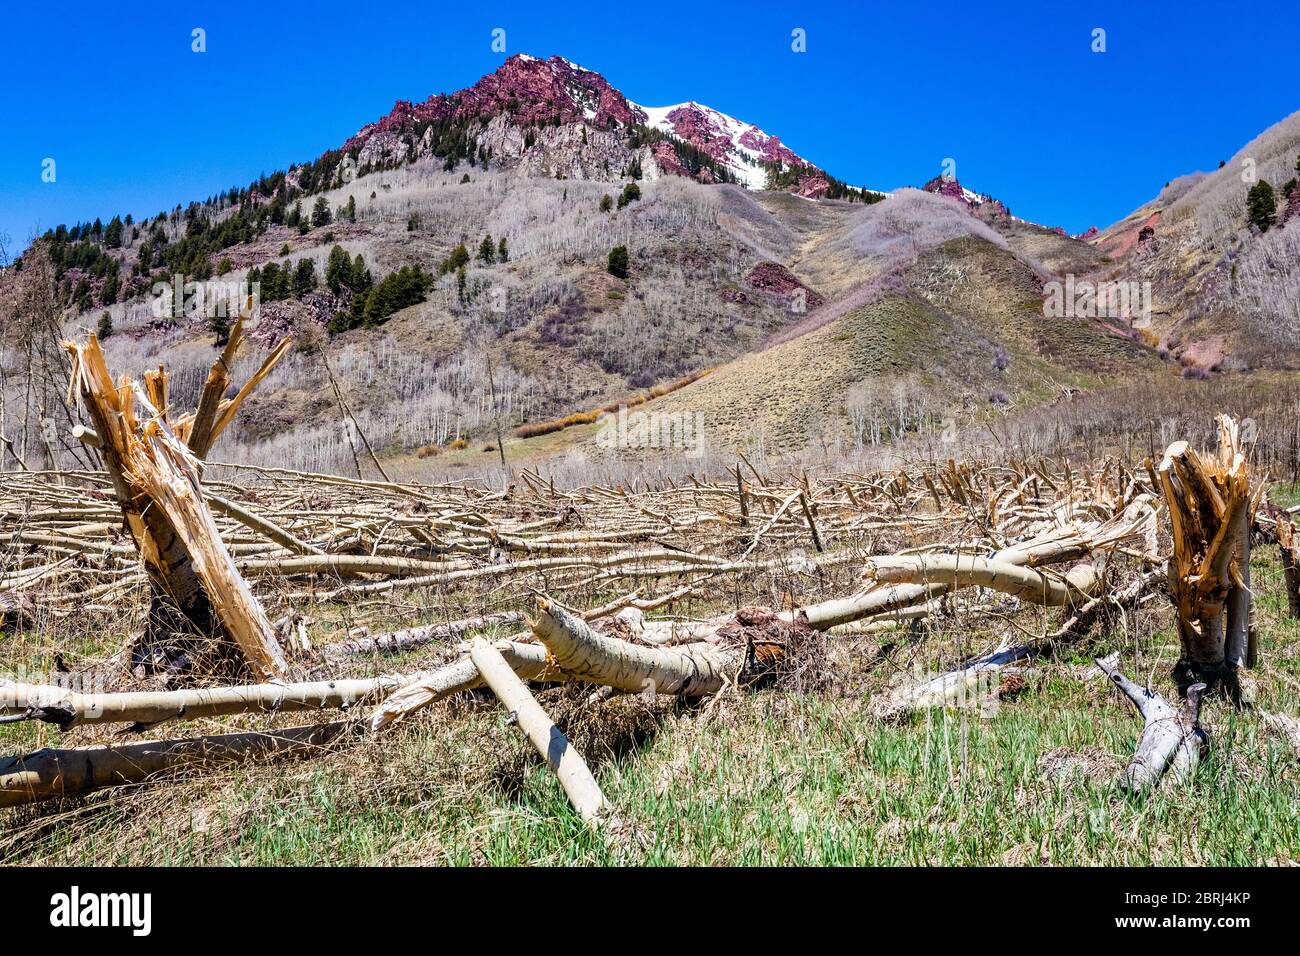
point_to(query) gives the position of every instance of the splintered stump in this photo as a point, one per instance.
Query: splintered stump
(1210, 513)
(199, 597)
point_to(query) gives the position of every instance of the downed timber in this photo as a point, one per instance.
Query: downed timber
(573, 773)
(49, 773)
(529, 661)
(689, 670)
(1172, 739)
(416, 637)
(973, 683)
(68, 708)
(955, 571)
(1135, 523)
(272, 531)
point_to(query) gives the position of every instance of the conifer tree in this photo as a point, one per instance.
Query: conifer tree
(1261, 206)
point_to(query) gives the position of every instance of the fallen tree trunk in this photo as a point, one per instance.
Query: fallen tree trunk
(67, 708)
(574, 775)
(1172, 738)
(689, 670)
(955, 571)
(50, 773)
(529, 661)
(1136, 523)
(976, 682)
(415, 637)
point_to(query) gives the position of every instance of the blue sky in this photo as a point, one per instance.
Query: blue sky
(136, 122)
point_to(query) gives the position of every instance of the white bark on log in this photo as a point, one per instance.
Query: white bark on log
(959, 571)
(261, 525)
(69, 708)
(529, 661)
(49, 773)
(1136, 522)
(415, 637)
(573, 773)
(1172, 739)
(691, 670)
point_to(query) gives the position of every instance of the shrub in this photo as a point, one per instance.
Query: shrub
(631, 193)
(618, 263)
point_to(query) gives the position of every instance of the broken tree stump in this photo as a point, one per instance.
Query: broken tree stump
(198, 591)
(1211, 504)
(1288, 543)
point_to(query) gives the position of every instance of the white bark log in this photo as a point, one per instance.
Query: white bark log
(1172, 739)
(50, 773)
(529, 661)
(573, 773)
(691, 670)
(69, 708)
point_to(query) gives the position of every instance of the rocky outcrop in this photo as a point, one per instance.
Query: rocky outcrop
(1292, 207)
(986, 206)
(778, 281)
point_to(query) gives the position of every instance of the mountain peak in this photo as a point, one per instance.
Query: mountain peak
(530, 91)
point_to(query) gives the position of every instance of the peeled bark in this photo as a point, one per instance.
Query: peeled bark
(1172, 738)
(574, 775)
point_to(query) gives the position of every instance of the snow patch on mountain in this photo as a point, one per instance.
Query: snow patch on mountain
(739, 146)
